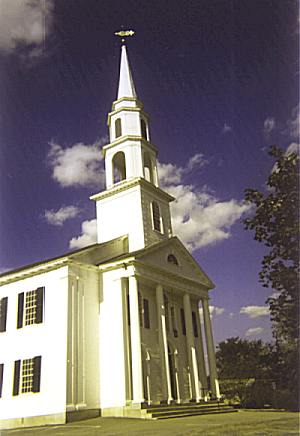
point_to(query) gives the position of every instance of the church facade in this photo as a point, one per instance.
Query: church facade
(113, 326)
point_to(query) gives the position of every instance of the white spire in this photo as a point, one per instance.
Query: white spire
(126, 85)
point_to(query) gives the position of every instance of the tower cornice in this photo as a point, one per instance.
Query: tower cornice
(127, 109)
(128, 184)
(125, 138)
(138, 102)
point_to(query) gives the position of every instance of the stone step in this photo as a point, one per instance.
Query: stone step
(183, 414)
(172, 411)
(202, 406)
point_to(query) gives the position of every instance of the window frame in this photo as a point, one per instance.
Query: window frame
(31, 314)
(27, 380)
(156, 217)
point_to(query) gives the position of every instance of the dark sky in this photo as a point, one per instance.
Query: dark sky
(219, 80)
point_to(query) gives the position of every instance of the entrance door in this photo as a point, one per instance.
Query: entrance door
(172, 374)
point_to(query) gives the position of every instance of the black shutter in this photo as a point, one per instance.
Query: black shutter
(17, 377)
(146, 314)
(40, 292)
(195, 328)
(20, 310)
(3, 314)
(1, 377)
(183, 327)
(128, 309)
(36, 373)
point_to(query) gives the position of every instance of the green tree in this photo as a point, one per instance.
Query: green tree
(275, 221)
(241, 359)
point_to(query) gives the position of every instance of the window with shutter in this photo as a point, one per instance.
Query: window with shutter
(27, 375)
(31, 307)
(3, 313)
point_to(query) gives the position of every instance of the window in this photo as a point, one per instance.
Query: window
(143, 128)
(195, 328)
(119, 167)
(156, 216)
(146, 314)
(30, 307)
(118, 128)
(27, 375)
(174, 323)
(182, 317)
(3, 314)
(172, 259)
(1, 377)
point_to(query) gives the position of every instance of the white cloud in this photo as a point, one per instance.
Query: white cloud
(255, 311)
(293, 148)
(57, 218)
(226, 128)
(292, 124)
(269, 125)
(172, 174)
(198, 218)
(213, 310)
(26, 23)
(254, 331)
(88, 235)
(77, 165)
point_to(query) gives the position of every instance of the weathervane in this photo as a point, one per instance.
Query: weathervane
(124, 33)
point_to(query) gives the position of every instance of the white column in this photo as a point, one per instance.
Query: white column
(135, 335)
(202, 368)
(213, 375)
(163, 344)
(191, 347)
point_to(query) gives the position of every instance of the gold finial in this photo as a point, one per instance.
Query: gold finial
(124, 33)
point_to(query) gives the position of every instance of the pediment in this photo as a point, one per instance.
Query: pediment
(164, 256)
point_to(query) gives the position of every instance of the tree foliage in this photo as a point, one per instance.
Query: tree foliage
(275, 221)
(242, 359)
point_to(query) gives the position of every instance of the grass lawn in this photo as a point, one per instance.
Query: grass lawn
(244, 422)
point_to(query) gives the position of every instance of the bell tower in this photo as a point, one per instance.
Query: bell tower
(132, 204)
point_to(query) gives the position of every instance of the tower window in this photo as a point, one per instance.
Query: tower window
(119, 167)
(144, 129)
(172, 259)
(148, 172)
(156, 216)
(118, 127)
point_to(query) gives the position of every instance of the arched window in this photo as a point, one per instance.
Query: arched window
(172, 259)
(156, 216)
(148, 167)
(118, 127)
(144, 129)
(119, 167)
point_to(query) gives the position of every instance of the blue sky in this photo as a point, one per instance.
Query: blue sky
(220, 82)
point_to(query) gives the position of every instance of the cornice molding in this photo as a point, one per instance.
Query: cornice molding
(128, 184)
(132, 138)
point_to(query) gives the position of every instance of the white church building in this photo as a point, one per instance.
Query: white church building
(112, 329)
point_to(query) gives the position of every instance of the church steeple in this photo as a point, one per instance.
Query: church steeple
(126, 85)
(132, 204)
